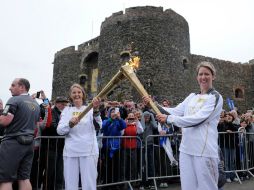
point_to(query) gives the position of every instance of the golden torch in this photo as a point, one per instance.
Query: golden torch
(127, 71)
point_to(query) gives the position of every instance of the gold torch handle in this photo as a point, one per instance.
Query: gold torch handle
(114, 81)
(131, 76)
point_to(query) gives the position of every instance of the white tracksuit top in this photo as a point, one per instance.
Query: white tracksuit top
(201, 140)
(81, 139)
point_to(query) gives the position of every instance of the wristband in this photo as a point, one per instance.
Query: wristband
(167, 119)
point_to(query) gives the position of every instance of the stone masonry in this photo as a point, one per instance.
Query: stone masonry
(167, 70)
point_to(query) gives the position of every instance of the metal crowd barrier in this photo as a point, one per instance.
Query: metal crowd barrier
(47, 168)
(237, 149)
(117, 166)
(162, 157)
(250, 152)
(152, 159)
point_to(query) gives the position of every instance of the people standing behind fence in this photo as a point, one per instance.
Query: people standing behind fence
(241, 153)
(45, 119)
(52, 148)
(129, 144)
(166, 103)
(81, 151)
(1, 105)
(1, 111)
(111, 162)
(19, 118)
(250, 138)
(236, 117)
(229, 145)
(149, 126)
(103, 109)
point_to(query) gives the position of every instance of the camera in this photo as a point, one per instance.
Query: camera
(5, 110)
(116, 110)
(46, 101)
(38, 94)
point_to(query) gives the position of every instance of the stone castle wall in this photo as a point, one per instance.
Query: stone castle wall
(162, 41)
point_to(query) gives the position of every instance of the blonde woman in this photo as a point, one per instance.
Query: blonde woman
(198, 116)
(81, 149)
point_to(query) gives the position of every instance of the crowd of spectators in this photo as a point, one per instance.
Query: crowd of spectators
(232, 141)
(129, 118)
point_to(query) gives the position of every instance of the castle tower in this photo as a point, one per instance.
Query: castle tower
(160, 37)
(167, 70)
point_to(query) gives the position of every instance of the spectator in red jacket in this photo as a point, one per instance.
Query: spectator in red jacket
(133, 127)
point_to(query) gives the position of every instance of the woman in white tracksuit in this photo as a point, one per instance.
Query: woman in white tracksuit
(81, 149)
(198, 116)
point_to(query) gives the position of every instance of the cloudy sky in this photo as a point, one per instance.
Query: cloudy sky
(32, 31)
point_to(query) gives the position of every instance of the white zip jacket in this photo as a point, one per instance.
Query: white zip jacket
(81, 139)
(198, 111)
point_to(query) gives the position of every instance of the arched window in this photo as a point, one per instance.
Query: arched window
(239, 93)
(184, 62)
(125, 56)
(89, 77)
(82, 80)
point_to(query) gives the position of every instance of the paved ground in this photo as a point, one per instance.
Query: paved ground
(246, 185)
(175, 185)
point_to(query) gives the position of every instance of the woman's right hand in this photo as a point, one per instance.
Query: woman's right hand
(146, 100)
(74, 121)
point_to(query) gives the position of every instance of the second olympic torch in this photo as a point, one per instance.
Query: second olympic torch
(126, 71)
(129, 73)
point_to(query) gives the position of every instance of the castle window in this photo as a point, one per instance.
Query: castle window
(82, 80)
(92, 57)
(239, 93)
(185, 63)
(125, 56)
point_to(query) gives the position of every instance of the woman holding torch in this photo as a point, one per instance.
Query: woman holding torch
(80, 152)
(198, 116)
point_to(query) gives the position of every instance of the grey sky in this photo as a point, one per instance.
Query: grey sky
(32, 31)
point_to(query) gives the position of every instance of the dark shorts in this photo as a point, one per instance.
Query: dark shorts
(15, 160)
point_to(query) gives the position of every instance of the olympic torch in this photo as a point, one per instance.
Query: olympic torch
(126, 71)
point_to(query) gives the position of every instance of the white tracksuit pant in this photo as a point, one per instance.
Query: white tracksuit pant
(198, 173)
(87, 166)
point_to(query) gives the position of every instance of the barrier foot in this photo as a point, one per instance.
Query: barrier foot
(130, 186)
(250, 173)
(238, 178)
(155, 184)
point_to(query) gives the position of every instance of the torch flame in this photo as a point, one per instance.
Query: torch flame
(134, 62)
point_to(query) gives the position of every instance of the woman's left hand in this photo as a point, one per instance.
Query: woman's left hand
(96, 103)
(162, 118)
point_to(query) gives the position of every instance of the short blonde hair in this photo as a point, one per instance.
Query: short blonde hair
(76, 85)
(207, 65)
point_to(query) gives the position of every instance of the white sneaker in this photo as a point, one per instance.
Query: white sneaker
(229, 180)
(165, 185)
(161, 185)
(235, 179)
